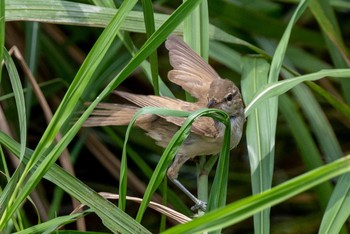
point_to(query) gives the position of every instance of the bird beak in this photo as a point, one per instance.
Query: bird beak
(211, 103)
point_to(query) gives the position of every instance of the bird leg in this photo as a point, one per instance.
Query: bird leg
(172, 174)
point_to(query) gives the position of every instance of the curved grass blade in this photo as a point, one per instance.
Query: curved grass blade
(146, 170)
(174, 144)
(218, 191)
(280, 87)
(123, 167)
(244, 208)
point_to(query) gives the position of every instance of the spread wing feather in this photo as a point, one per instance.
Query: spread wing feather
(190, 71)
(202, 126)
(187, 63)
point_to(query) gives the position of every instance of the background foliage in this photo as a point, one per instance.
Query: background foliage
(290, 59)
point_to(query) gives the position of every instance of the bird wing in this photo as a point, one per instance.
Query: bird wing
(202, 126)
(190, 71)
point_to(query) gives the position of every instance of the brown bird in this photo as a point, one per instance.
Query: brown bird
(198, 78)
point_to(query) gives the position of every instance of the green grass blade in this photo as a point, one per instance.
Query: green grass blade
(113, 218)
(64, 12)
(218, 192)
(327, 21)
(329, 146)
(260, 136)
(225, 55)
(278, 57)
(280, 87)
(146, 67)
(310, 61)
(2, 32)
(263, 125)
(306, 145)
(170, 151)
(150, 28)
(154, 42)
(31, 58)
(159, 171)
(104, 3)
(338, 104)
(194, 36)
(146, 170)
(52, 225)
(196, 30)
(246, 207)
(19, 97)
(334, 216)
(337, 212)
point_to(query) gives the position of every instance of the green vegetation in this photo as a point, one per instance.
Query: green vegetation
(289, 174)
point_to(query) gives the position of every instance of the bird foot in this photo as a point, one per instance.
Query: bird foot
(200, 205)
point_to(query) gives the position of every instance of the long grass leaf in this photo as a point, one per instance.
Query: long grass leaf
(324, 14)
(64, 12)
(306, 145)
(113, 218)
(67, 105)
(218, 193)
(159, 172)
(52, 225)
(2, 32)
(337, 212)
(150, 28)
(280, 87)
(226, 55)
(262, 171)
(260, 136)
(31, 58)
(19, 97)
(174, 144)
(104, 3)
(147, 170)
(146, 67)
(246, 207)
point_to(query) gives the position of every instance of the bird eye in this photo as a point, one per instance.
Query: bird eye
(229, 97)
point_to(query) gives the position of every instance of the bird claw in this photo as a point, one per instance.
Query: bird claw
(200, 205)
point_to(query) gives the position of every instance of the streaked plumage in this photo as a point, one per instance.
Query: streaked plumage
(198, 78)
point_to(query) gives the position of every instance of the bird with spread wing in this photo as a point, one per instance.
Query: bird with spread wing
(198, 78)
